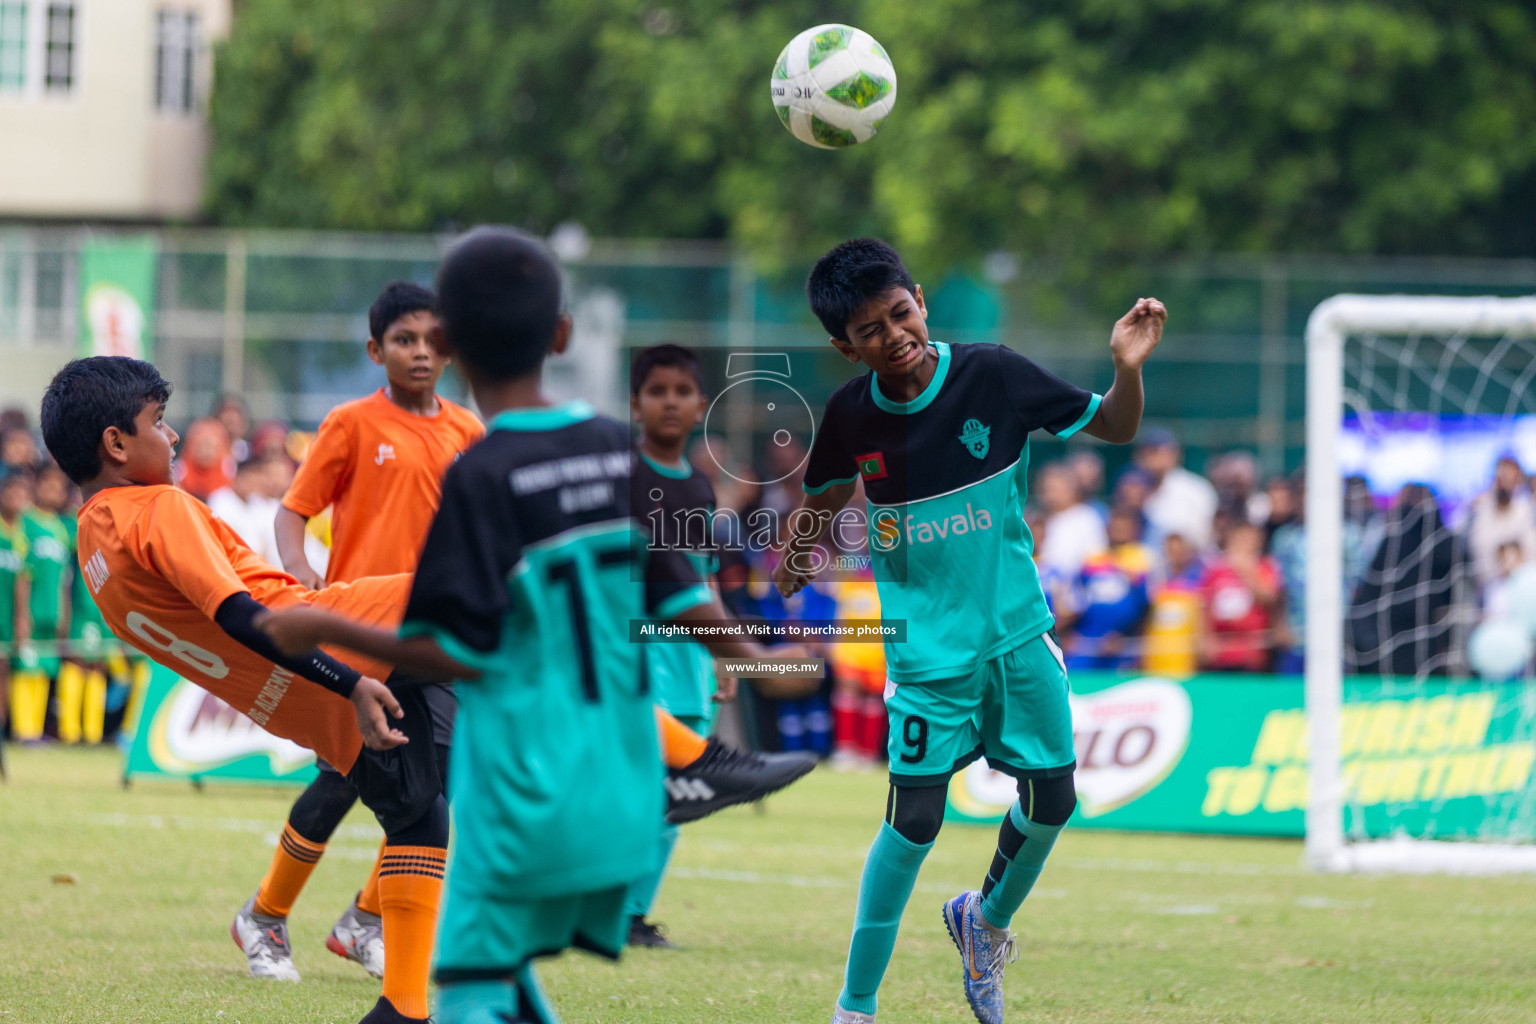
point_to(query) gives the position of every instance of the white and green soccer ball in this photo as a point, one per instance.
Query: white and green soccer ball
(833, 86)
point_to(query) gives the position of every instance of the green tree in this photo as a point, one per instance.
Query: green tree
(1073, 131)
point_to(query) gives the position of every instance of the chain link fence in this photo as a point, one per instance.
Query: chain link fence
(280, 318)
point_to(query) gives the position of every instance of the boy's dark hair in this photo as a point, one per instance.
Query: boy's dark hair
(498, 295)
(87, 397)
(396, 300)
(850, 275)
(667, 354)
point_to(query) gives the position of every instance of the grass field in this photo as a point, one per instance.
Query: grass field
(115, 906)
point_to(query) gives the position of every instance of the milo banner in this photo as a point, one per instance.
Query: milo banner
(1228, 754)
(117, 296)
(183, 731)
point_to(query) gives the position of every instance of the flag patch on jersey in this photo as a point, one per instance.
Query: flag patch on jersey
(872, 466)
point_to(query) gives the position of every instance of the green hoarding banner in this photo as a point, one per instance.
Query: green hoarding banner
(185, 732)
(117, 296)
(1228, 754)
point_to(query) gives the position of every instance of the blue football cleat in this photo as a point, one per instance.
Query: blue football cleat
(984, 952)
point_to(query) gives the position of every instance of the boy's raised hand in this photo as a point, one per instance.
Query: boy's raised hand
(1137, 333)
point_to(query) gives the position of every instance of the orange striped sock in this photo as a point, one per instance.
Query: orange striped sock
(368, 896)
(680, 745)
(292, 864)
(410, 887)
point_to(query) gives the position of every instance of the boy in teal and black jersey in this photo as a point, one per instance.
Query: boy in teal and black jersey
(939, 436)
(531, 575)
(676, 503)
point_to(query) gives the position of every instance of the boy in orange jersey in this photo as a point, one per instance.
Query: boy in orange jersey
(378, 462)
(181, 587)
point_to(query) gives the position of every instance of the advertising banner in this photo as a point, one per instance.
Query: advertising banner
(183, 731)
(117, 296)
(1228, 754)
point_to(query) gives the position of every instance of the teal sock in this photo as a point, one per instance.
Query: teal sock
(641, 895)
(494, 1002)
(1022, 846)
(890, 872)
(476, 1002)
(535, 1008)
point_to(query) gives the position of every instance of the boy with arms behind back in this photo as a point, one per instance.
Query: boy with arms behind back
(530, 577)
(939, 435)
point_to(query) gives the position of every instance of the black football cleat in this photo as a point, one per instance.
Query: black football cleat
(384, 1012)
(647, 935)
(723, 777)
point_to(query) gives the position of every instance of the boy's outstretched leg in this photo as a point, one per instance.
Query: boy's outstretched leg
(978, 921)
(913, 816)
(410, 889)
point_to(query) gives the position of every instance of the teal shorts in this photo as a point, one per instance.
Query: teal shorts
(1012, 709)
(487, 939)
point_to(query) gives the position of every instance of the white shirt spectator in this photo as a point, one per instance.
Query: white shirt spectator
(1071, 536)
(1184, 503)
(1493, 526)
(253, 518)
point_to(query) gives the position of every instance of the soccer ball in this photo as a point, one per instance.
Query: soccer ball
(833, 86)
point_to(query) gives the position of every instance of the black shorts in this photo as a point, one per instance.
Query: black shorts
(400, 785)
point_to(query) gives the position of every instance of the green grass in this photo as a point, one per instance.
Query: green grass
(115, 906)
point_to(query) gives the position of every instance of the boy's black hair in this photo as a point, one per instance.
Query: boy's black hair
(498, 295)
(87, 397)
(668, 354)
(396, 300)
(848, 276)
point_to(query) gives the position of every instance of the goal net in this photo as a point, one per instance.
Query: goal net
(1421, 700)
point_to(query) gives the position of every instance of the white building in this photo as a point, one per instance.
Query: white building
(102, 107)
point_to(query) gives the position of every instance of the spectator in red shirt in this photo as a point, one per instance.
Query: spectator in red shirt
(1241, 593)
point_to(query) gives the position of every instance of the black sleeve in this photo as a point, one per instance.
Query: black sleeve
(830, 462)
(1041, 399)
(237, 617)
(460, 594)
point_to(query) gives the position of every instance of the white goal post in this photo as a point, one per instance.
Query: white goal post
(1329, 328)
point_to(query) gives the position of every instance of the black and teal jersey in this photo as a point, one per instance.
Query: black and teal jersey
(946, 478)
(49, 548)
(531, 573)
(676, 506)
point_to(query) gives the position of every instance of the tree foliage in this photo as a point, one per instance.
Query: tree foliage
(1069, 130)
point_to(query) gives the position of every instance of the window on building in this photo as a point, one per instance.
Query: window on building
(13, 46)
(59, 50)
(176, 47)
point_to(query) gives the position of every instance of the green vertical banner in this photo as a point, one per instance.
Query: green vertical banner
(185, 732)
(117, 296)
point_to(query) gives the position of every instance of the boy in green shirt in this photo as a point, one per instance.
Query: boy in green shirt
(28, 686)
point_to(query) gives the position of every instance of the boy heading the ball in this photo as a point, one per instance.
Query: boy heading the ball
(939, 435)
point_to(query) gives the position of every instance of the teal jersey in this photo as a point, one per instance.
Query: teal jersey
(946, 475)
(676, 505)
(532, 573)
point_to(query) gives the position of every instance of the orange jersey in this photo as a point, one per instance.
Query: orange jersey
(382, 468)
(159, 565)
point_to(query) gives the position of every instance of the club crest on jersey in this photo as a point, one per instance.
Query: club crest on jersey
(976, 438)
(872, 466)
(386, 451)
